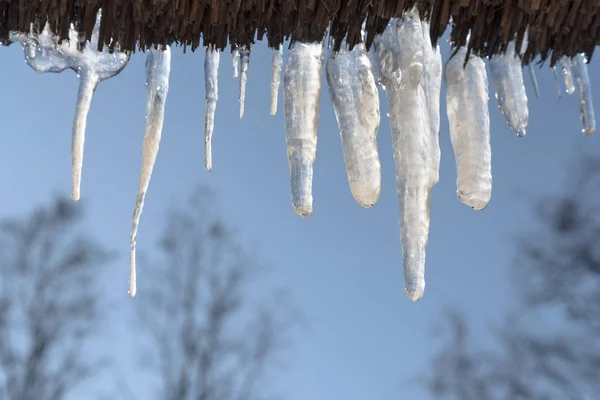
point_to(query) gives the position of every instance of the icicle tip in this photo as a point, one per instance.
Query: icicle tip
(132, 275)
(414, 291)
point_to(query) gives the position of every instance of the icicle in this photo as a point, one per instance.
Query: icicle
(534, 81)
(586, 103)
(245, 60)
(469, 119)
(356, 104)
(432, 84)
(565, 65)
(211, 84)
(276, 77)
(235, 58)
(558, 92)
(400, 53)
(507, 74)
(158, 70)
(301, 96)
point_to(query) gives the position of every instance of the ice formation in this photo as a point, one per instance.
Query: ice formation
(211, 84)
(276, 77)
(402, 61)
(158, 71)
(356, 104)
(400, 54)
(301, 98)
(44, 54)
(507, 74)
(469, 120)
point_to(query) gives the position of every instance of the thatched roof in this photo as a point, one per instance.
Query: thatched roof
(555, 27)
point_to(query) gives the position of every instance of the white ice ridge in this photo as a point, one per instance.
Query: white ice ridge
(211, 85)
(400, 53)
(586, 103)
(432, 85)
(44, 54)
(356, 104)
(469, 120)
(244, 61)
(235, 59)
(301, 96)
(158, 70)
(565, 65)
(276, 77)
(507, 74)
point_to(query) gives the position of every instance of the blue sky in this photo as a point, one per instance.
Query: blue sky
(364, 338)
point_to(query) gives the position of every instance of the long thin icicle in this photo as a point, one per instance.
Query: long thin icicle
(235, 59)
(534, 80)
(469, 120)
(507, 74)
(586, 103)
(244, 61)
(211, 84)
(158, 70)
(276, 77)
(565, 65)
(301, 96)
(356, 104)
(400, 53)
(432, 85)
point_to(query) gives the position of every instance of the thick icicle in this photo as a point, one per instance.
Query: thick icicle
(534, 80)
(301, 96)
(507, 74)
(245, 60)
(565, 65)
(276, 77)
(400, 53)
(586, 103)
(158, 70)
(558, 92)
(211, 84)
(432, 85)
(356, 104)
(469, 119)
(235, 58)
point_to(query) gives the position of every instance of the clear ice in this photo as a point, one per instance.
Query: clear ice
(507, 74)
(400, 53)
(534, 80)
(432, 85)
(244, 61)
(211, 85)
(586, 104)
(469, 120)
(44, 54)
(158, 70)
(558, 92)
(356, 104)
(565, 65)
(276, 77)
(301, 97)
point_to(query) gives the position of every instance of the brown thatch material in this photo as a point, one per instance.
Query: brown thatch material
(556, 27)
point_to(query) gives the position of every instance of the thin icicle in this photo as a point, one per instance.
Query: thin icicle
(400, 53)
(558, 92)
(235, 58)
(276, 77)
(356, 103)
(469, 120)
(432, 85)
(534, 80)
(158, 70)
(245, 60)
(507, 74)
(586, 103)
(301, 96)
(565, 65)
(211, 84)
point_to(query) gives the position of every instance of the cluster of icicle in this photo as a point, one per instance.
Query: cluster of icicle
(403, 62)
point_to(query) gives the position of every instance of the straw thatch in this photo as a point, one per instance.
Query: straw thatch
(555, 27)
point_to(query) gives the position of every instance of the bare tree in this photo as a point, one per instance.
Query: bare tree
(48, 305)
(549, 347)
(211, 343)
